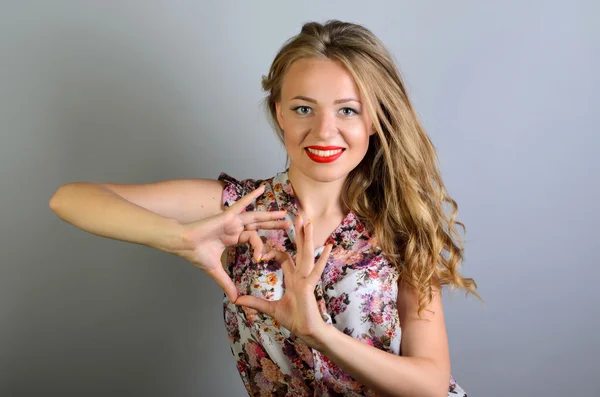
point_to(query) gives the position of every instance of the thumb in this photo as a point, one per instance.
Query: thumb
(222, 278)
(256, 303)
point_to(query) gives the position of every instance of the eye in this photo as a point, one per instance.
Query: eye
(301, 107)
(351, 110)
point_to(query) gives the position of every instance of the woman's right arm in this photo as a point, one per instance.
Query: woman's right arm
(151, 214)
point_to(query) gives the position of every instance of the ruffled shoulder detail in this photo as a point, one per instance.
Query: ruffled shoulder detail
(236, 189)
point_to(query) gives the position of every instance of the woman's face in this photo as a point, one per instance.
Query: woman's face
(326, 130)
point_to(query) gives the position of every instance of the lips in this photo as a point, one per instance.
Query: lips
(324, 158)
(325, 147)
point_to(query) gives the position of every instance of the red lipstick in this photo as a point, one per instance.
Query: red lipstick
(325, 147)
(324, 159)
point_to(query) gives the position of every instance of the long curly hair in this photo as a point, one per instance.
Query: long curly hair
(396, 190)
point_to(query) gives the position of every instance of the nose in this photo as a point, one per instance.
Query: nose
(325, 125)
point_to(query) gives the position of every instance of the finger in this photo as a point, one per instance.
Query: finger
(262, 305)
(222, 278)
(261, 216)
(287, 262)
(270, 225)
(240, 205)
(255, 241)
(315, 274)
(308, 259)
(308, 247)
(299, 233)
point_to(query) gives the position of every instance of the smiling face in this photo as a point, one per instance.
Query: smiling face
(326, 128)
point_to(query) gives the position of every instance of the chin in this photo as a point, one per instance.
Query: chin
(325, 172)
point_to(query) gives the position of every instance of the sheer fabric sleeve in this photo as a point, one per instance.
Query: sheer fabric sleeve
(236, 189)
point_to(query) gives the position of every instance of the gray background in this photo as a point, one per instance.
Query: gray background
(138, 92)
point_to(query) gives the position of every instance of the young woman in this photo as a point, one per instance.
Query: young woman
(343, 295)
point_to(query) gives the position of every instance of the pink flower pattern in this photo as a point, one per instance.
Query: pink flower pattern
(356, 294)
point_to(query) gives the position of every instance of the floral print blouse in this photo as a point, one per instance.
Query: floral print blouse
(357, 294)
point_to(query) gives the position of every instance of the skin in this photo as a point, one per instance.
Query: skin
(424, 367)
(323, 123)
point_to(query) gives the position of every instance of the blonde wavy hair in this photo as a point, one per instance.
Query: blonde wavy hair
(396, 190)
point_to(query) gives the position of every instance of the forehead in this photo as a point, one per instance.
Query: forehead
(324, 78)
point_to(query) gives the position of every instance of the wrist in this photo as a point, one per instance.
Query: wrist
(325, 337)
(170, 237)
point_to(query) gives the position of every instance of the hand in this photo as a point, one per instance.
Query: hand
(297, 310)
(206, 239)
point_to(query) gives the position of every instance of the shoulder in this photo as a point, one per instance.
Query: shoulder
(234, 189)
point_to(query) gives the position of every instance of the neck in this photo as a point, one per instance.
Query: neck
(315, 198)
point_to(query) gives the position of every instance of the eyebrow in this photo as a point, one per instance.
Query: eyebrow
(344, 100)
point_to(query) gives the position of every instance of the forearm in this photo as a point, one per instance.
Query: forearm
(386, 373)
(97, 210)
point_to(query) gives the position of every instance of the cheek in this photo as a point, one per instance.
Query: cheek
(293, 133)
(359, 141)
(292, 143)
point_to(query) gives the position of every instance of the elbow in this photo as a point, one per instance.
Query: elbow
(55, 200)
(440, 387)
(434, 389)
(440, 379)
(439, 382)
(53, 203)
(435, 386)
(440, 392)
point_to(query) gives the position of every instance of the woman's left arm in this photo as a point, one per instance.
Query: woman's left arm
(423, 369)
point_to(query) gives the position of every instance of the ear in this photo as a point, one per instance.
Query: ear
(278, 113)
(372, 130)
